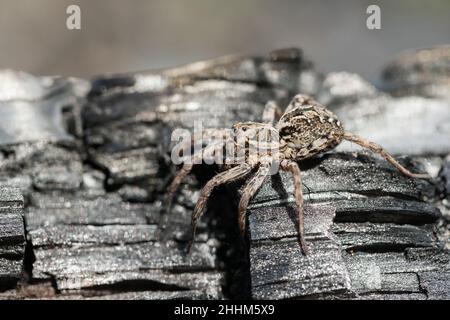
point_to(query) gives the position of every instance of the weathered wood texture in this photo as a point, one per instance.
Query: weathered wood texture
(380, 221)
(12, 237)
(385, 242)
(94, 186)
(95, 219)
(424, 72)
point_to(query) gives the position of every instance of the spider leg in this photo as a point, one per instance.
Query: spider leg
(223, 177)
(185, 170)
(271, 112)
(379, 149)
(249, 190)
(294, 169)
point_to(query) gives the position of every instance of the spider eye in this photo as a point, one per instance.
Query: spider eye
(244, 129)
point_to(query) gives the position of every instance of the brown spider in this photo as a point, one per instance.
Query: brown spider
(305, 129)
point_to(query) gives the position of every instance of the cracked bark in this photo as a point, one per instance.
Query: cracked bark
(93, 188)
(12, 237)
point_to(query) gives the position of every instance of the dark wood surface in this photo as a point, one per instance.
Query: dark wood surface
(89, 194)
(12, 237)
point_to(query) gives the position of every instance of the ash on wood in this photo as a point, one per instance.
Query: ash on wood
(129, 119)
(384, 232)
(278, 267)
(94, 184)
(380, 217)
(97, 226)
(405, 125)
(424, 72)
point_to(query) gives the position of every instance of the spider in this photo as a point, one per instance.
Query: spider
(306, 129)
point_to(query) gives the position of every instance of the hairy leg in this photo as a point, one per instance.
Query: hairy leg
(379, 150)
(234, 173)
(271, 112)
(249, 190)
(293, 168)
(187, 168)
(184, 171)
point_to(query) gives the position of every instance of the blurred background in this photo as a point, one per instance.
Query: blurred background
(121, 36)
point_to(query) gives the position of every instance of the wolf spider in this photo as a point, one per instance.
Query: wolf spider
(305, 129)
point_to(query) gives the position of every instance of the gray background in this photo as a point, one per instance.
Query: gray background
(120, 36)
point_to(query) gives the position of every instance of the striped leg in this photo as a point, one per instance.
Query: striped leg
(293, 168)
(249, 190)
(234, 173)
(379, 150)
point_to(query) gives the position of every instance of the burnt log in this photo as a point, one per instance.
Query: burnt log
(424, 72)
(386, 227)
(94, 183)
(12, 237)
(379, 218)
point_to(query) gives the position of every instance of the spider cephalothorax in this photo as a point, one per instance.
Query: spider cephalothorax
(304, 130)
